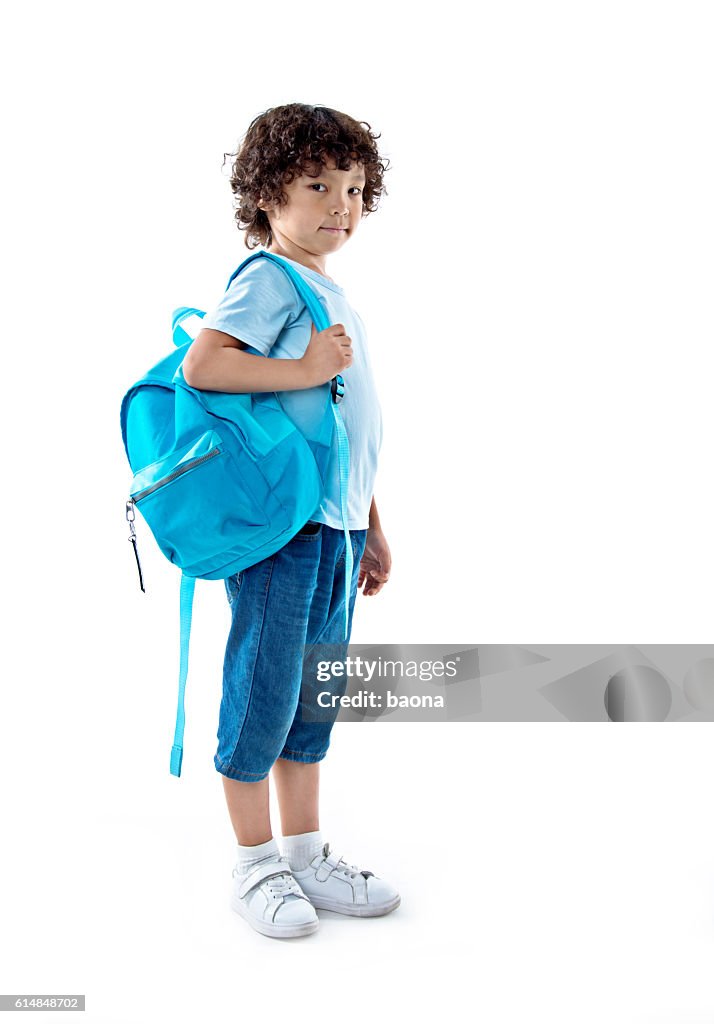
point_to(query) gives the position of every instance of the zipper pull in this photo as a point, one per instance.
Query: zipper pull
(132, 537)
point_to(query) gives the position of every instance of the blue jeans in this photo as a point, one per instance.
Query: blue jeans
(293, 598)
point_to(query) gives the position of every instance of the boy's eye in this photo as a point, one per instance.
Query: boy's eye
(319, 184)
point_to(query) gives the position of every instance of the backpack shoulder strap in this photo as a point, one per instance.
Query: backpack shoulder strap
(305, 293)
(319, 318)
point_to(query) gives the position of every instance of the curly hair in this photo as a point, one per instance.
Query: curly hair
(284, 142)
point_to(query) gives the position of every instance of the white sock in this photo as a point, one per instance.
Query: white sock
(302, 848)
(248, 856)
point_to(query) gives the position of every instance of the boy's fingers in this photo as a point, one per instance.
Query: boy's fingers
(373, 580)
(377, 581)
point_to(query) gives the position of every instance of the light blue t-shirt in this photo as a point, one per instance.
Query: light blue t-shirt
(262, 309)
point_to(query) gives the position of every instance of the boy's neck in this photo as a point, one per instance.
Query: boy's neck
(300, 256)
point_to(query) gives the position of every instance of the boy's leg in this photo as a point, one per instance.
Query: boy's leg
(270, 604)
(297, 770)
(298, 787)
(249, 810)
(265, 892)
(326, 878)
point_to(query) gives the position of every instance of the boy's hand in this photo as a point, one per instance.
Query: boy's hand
(376, 563)
(328, 352)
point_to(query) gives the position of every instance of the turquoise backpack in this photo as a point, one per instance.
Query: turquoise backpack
(222, 479)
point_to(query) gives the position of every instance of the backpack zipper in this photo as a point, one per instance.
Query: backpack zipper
(179, 471)
(130, 516)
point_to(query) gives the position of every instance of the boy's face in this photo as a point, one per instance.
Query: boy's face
(321, 213)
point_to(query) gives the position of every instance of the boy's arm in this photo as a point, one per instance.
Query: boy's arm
(215, 362)
(376, 562)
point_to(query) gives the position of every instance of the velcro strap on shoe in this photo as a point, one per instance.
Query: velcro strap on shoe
(260, 873)
(327, 867)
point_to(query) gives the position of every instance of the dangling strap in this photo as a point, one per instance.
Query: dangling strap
(343, 457)
(188, 584)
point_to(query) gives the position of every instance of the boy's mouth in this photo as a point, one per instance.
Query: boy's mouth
(335, 231)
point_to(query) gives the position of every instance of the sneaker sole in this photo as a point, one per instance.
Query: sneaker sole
(354, 909)
(275, 931)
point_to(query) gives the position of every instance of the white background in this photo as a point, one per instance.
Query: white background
(537, 291)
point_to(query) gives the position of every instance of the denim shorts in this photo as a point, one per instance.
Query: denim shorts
(293, 598)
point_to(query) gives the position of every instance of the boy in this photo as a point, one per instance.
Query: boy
(305, 176)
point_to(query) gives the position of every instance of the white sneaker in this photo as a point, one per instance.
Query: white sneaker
(330, 883)
(270, 899)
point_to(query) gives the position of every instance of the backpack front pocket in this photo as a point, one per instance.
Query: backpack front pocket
(200, 500)
(183, 460)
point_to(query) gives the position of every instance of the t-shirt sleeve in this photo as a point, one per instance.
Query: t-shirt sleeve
(260, 302)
